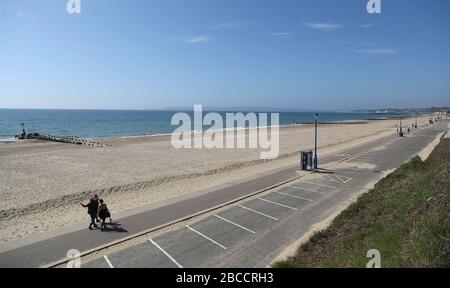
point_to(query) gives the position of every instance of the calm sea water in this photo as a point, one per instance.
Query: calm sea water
(109, 123)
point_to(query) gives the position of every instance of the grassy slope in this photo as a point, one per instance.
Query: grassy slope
(406, 217)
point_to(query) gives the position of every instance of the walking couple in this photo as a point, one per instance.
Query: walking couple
(97, 209)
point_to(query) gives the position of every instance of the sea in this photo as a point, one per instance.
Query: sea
(98, 124)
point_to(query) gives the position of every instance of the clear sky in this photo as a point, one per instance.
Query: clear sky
(303, 54)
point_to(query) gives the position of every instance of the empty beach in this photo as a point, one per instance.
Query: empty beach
(42, 183)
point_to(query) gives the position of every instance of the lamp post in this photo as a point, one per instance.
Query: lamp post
(401, 125)
(315, 142)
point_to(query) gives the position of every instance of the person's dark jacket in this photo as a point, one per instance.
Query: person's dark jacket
(92, 207)
(103, 212)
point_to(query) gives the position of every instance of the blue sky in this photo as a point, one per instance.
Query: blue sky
(303, 54)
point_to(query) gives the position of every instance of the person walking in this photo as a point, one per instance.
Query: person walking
(103, 213)
(92, 210)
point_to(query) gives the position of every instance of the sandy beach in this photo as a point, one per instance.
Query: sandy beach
(42, 183)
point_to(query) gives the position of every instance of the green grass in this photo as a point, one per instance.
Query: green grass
(406, 217)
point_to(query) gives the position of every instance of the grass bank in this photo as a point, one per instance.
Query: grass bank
(406, 217)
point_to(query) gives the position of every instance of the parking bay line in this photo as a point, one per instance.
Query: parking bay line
(260, 213)
(337, 180)
(344, 181)
(334, 179)
(235, 224)
(328, 178)
(309, 190)
(349, 179)
(108, 262)
(279, 204)
(206, 237)
(293, 196)
(310, 183)
(165, 253)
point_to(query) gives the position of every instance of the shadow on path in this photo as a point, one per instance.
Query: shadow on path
(114, 227)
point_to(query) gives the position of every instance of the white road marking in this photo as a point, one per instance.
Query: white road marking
(340, 179)
(347, 179)
(165, 253)
(235, 224)
(328, 178)
(206, 237)
(369, 158)
(260, 213)
(107, 261)
(336, 178)
(309, 190)
(372, 149)
(318, 184)
(298, 197)
(279, 204)
(333, 179)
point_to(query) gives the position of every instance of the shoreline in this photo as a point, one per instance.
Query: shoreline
(167, 136)
(12, 138)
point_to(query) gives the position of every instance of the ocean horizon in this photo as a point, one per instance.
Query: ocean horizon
(100, 124)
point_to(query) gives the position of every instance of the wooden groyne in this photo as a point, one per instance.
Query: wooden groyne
(68, 140)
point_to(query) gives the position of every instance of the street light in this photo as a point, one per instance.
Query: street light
(401, 124)
(315, 142)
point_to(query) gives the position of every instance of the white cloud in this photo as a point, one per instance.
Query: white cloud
(377, 51)
(324, 26)
(195, 40)
(21, 14)
(281, 34)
